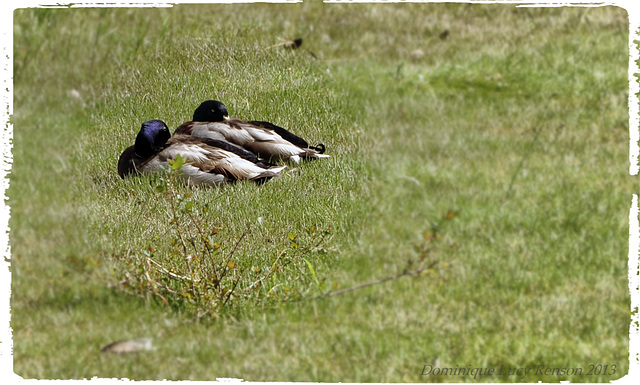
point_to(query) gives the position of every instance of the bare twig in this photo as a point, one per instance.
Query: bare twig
(271, 270)
(235, 247)
(167, 288)
(175, 216)
(231, 291)
(175, 221)
(153, 284)
(406, 272)
(293, 44)
(306, 250)
(121, 282)
(167, 272)
(273, 266)
(206, 248)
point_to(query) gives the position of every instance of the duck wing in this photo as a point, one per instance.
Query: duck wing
(283, 133)
(209, 161)
(222, 136)
(292, 138)
(128, 162)
(259, 141)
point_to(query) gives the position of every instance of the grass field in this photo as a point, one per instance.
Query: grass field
(489, 139)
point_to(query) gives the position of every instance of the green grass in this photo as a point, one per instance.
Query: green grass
(516, 121)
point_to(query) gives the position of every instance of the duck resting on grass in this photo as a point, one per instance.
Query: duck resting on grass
(266, 140)
(207, 161)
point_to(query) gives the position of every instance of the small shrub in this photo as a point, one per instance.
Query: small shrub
(198, 268)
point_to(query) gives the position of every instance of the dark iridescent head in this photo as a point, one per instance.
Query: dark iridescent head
(210, 111)
(152, 136)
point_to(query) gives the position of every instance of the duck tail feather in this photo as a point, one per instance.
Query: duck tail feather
(264, 176)
(311, 154)
(320, 148)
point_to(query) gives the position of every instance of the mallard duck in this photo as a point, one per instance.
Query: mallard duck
(207, 161)
(268, 141)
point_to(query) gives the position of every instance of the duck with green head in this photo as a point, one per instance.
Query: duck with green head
(207, 161)
(266, 140)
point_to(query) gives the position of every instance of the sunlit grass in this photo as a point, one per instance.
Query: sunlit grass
(519, 127)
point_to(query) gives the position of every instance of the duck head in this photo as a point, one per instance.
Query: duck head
(152, 136)
(210, 111)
